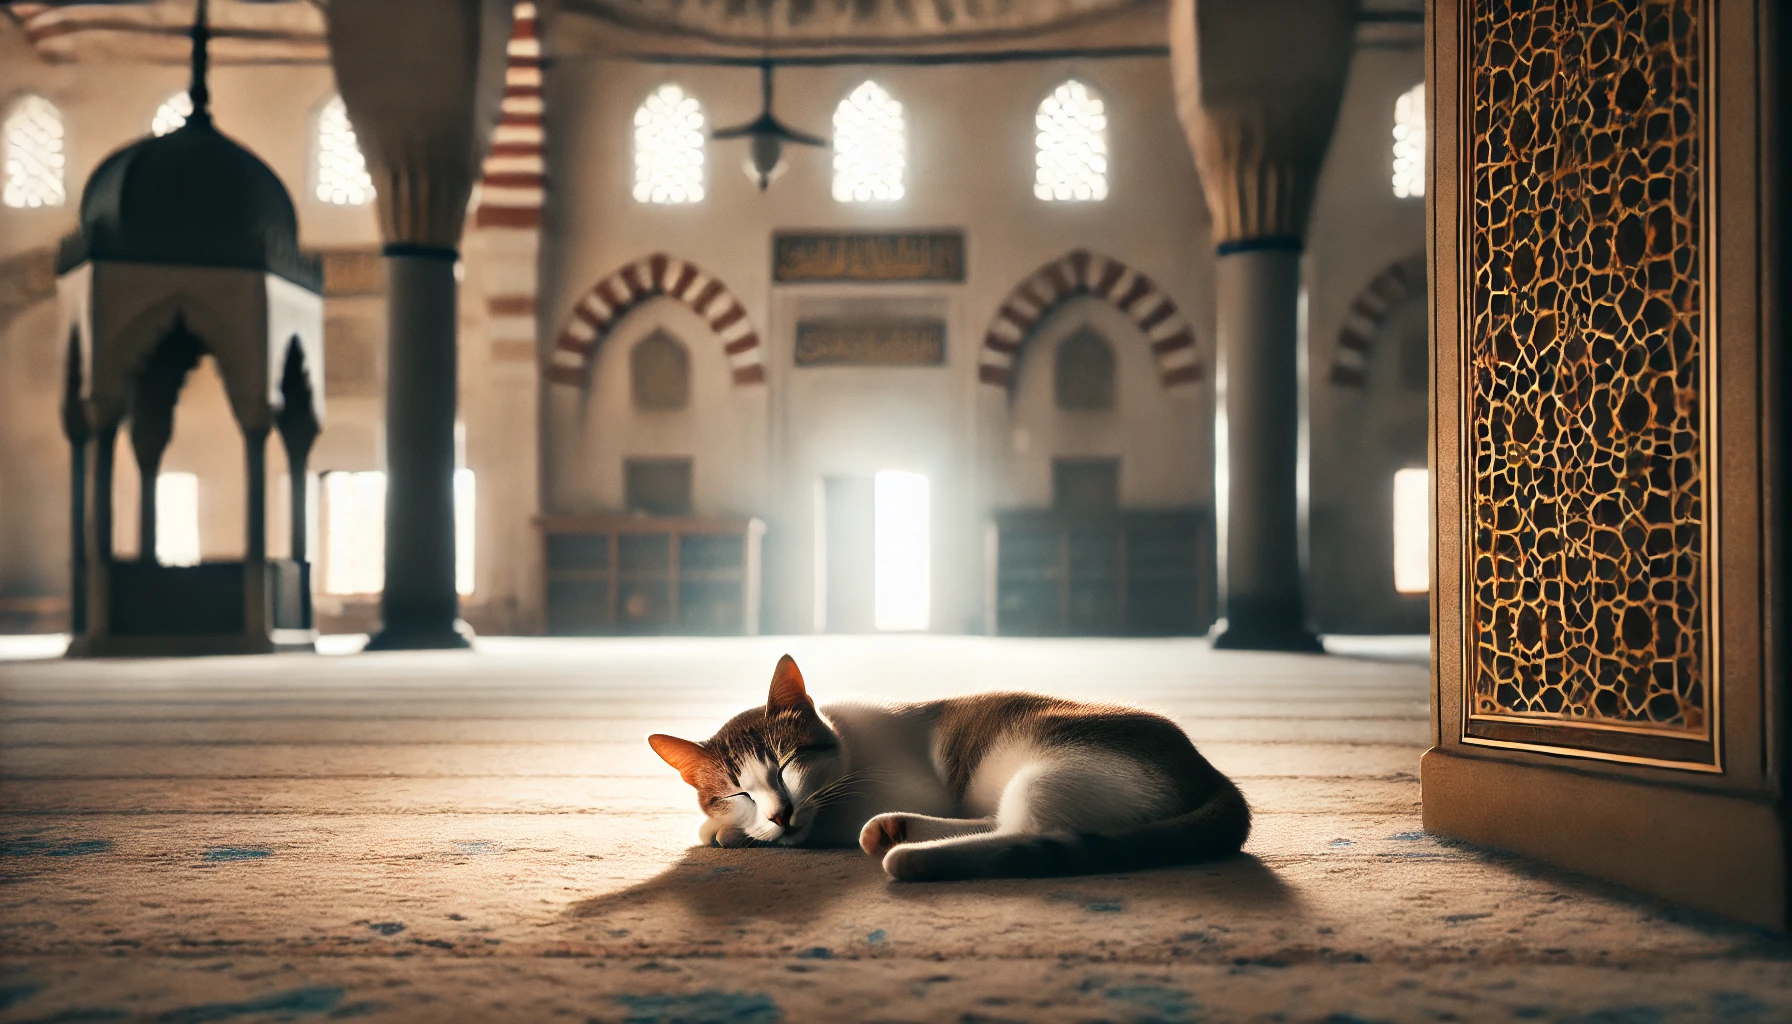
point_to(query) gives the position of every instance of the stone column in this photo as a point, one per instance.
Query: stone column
(298, 427)
(74, 427)
(1257, 90)
(421, 80)
(99, 530)
(421, 384)
(256, 603)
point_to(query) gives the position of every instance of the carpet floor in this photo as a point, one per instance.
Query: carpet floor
(486, 837)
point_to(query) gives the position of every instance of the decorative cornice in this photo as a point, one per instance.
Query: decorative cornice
(1257, 90)
(422, 84)
(773, 23)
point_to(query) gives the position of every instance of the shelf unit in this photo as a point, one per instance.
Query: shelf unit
(1127, 573)
(645, 575)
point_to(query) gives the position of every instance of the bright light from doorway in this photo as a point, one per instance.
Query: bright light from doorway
(902, 545)
(1412, 531)
(354, 532)
(463, 531)
(177, 519)
(1409, 143)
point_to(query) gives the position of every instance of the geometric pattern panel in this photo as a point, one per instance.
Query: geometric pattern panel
(1584, 380)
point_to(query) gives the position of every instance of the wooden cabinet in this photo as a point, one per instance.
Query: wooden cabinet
(651, 575)
(1123, 574)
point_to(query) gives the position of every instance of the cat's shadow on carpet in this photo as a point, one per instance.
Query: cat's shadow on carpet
(796, 885)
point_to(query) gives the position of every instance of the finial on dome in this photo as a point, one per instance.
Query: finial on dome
(197, 91)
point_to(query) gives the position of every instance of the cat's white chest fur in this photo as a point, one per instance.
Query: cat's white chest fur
(890, 758)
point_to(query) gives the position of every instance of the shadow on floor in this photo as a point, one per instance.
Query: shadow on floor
(793, 885)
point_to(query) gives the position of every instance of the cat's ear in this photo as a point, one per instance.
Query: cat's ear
(683, 755)
(788, 692)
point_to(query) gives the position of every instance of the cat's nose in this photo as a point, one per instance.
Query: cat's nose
(781, 818)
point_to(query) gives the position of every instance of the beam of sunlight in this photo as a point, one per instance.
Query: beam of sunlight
(177, 519)
(1412, 531)
(902, 548)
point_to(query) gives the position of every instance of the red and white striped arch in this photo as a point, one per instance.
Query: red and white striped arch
(1085, 273)
(1368, 312)
(599, 309)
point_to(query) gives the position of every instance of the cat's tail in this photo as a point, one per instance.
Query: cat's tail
(1218, 828)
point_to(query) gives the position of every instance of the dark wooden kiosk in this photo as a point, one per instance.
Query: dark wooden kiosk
(187, 247)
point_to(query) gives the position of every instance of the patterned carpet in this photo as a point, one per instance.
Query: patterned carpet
(486, 837)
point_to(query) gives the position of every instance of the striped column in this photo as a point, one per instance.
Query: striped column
(508, 217)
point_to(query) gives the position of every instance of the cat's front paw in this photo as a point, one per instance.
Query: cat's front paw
(883, 832)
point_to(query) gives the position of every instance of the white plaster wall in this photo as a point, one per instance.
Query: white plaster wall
(757, 448)
(34, 461)
(971, 154)
(1358, 438)
(721, 429)
(1163, 437)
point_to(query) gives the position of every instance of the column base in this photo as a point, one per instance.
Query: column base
(1247, 637)
(458, 637)
(1265, 624)
(1722, 852)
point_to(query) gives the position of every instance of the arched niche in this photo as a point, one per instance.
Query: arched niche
(200, 436)
(1162, 436)
(720, 426)
(659, 372)
(1083, 372)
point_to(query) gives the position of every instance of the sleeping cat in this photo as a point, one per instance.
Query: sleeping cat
(993, 785)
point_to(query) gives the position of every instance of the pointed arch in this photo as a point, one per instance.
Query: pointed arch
(1368, 311)
(1082, 272)
(604, 304)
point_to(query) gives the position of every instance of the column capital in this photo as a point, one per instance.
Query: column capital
(421, 80)
(1257, 89)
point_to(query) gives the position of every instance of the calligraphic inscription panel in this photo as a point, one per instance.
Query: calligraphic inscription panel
(1584, 373)
(885, 341)
(819, 256)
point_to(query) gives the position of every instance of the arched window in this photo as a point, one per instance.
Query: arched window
(34, 159)
(659, 372)
(339, 170)
(1073, 146)
(1409, 142)
(1084, 371)
(870, 147)
(669, 148)
(173, 113)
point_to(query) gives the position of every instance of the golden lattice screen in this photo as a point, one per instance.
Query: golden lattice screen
(1584, 373)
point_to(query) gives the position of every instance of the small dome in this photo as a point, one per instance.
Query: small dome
(191, 197)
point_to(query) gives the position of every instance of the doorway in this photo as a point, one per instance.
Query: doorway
(874, 553)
